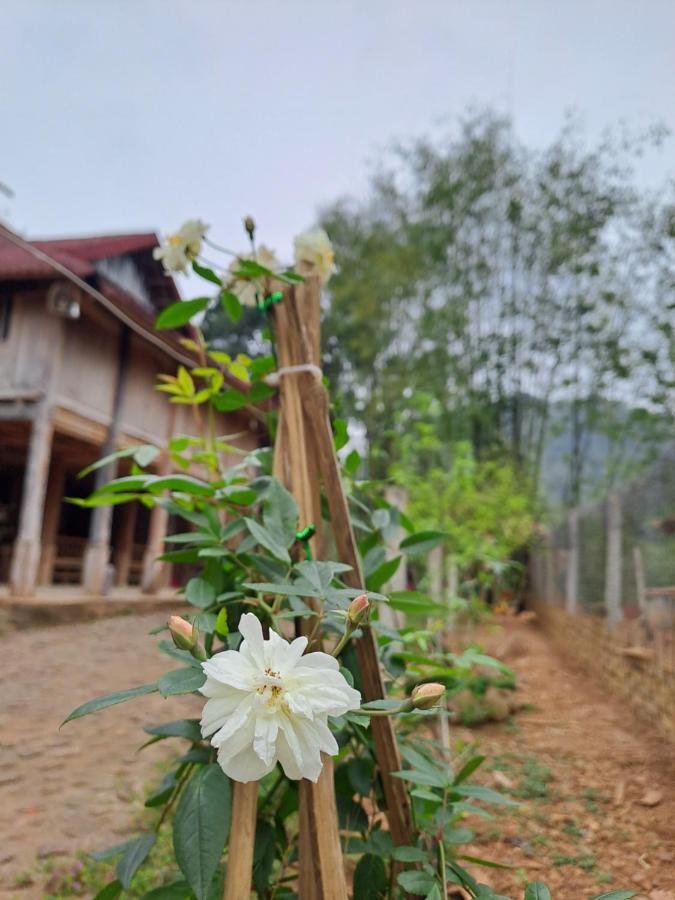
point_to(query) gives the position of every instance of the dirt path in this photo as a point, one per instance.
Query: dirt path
(596, 788)
(69, 790)
(579, 765)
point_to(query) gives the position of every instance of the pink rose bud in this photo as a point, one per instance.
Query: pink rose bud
(426, 696)
(358, 611)
(184, 634)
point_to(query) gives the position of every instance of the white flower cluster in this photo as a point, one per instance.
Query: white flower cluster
(182, 247)
(244, 288)
(269, 702)
(313, 256)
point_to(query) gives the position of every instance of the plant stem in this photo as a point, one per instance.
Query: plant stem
(173, 797)
(342, 643)
(441, 859)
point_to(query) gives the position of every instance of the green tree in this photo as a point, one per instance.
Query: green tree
(528, 293)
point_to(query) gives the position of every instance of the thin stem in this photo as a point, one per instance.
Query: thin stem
(441, 859)
(342, 643)
(173, 797)
(219, 248)
(404, 707)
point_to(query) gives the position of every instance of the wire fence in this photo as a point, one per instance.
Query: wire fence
(615, 561)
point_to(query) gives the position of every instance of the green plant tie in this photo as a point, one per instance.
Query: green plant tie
(270, 300)
(304, 536)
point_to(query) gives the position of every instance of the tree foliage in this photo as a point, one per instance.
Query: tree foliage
(530, 293)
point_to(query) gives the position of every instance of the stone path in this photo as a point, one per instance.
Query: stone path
(68, 790)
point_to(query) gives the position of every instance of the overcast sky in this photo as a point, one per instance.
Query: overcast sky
(122, 115)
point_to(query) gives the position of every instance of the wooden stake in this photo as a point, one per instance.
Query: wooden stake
(242, 841)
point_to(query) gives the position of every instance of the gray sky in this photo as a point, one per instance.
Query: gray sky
(134, 114)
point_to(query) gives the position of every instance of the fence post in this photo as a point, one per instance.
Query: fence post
(613, 569)
(549, 568)
(572, 574)
(640, 581)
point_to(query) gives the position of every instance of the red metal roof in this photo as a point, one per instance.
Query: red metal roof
(77, 254)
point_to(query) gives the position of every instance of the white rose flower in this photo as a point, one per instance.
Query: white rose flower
(314, 249)
(245, 289)
(182, 247)
(269, 702)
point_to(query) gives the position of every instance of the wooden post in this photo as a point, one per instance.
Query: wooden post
(613, 568)
(50, 523)
(26, 553)
(392, 618)
(242, 841)
(155, 571)
(549, 567)
(640, 587)
(572, 574)
(97, 553)
(125, 543)
(304, 452)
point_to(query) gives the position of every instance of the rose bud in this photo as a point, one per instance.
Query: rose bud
(358, 611)
(184, 634)
(249, 225)
(426, 696)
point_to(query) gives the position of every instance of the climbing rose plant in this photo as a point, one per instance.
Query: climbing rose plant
(270, 707)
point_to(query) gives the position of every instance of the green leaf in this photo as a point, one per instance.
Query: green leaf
(268, 540)
(142, 455)
(164, 790)
(415, 603)
(93, 706)
(417, 777)
(200, 592)
(134, 856)
(615, 895)
(184, 728)
(478, 860)
(181, 681)
(180, 313)
(110, 891)
(183, 483)
(280, 513)
(109, 852)
(249, 268)
(468, 769)
(240, 496)
(416, 882)
(340, 434)
(206, 273)
(537, 890)
(177, 890)
(290, 277)
(202, 826)
(479, 792)
(230, 400)
(263, 857)
(421, 542)
(352, 462)
(382, 574)
(409, 854)
(370, 878)
(231, 305)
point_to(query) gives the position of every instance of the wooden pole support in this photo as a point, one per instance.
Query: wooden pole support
(242, 841)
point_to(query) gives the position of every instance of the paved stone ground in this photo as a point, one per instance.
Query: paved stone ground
(68, 790)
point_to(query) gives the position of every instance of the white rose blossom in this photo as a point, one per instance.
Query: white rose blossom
(243, 288)
(269, 701)
(182, 247)
(313, 248)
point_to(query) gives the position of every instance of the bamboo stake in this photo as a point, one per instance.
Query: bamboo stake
(242, 841)
(296, 323)
(316, 407)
